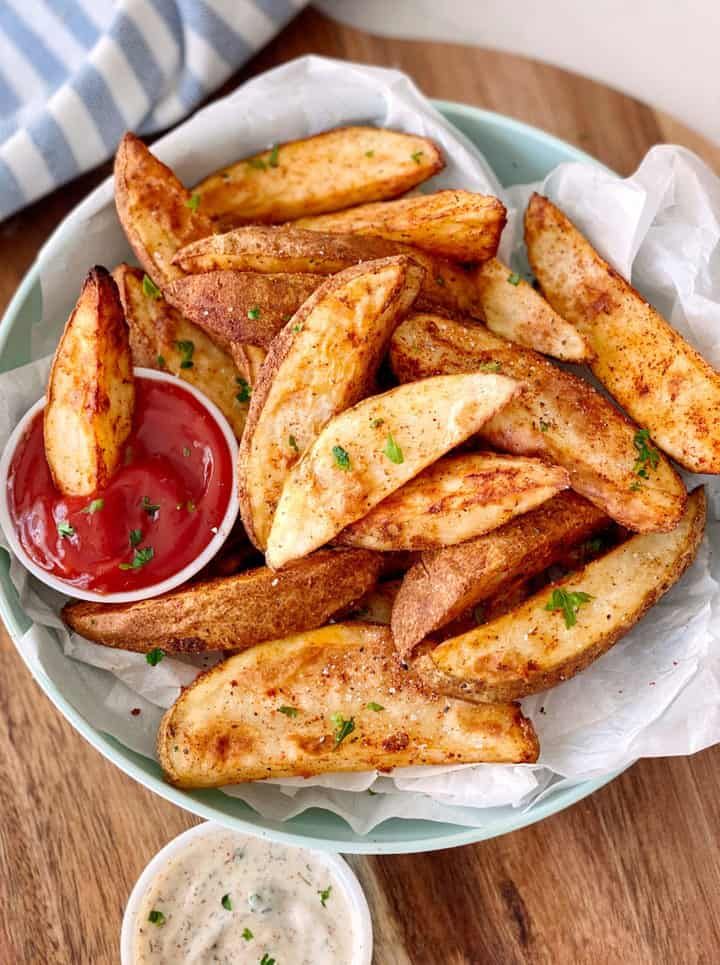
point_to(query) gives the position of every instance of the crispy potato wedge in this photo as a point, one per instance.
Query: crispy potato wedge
(158, 214)
(307, 705)
(559, 417)
(90, 393)
(535, 647)
(157, 334)
(233, 612)
(241, 307)
(327, 172)
(657, 377)
(317, 366)
(367, 452)
(453, 224)
(455, 499)
(444, 583)
(512, 308)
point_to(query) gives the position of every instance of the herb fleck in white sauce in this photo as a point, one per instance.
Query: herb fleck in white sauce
(228, 899)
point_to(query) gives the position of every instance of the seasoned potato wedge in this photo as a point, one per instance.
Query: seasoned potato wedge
(241, 307)
(317, 366)
(444, 583)
(559, 417)
(367, 452)
(455, 499)
(452, 224)
(657, 377)
(161, 338)
(90, 394)
(554, 634)
(512, 308)
(158, 214)
(308, 704)
(327, 172)
(234, 612)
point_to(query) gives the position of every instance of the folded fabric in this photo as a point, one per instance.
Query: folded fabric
(76, 74)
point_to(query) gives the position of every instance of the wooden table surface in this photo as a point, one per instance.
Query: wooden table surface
(630, 875)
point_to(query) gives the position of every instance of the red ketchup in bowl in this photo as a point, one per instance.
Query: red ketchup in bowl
(162, 507)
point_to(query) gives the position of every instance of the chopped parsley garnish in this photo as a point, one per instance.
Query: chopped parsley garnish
(292, 442)
(490, 367)
(416, 155)
(393, 451)
(567, 602)
(65, 529)
(245, 390)
(635, 487)
(186, 349)
(647, 456)
(324, 895)
(514, 278)
(226, 902)
(160, 361)
(273, 159)
(257, 163)
(342, 459)
(154, 657)
(376, 423)
(288, 711)
(373, 706)
(369, 153)
(141, 557)
(135, 537)
(343, 727)
(544, 426)
(150, 288)
(150, 508)
(247, 934)
(297, 328)
(193, 202)
(254, 312)
(94, 507)
(186, 451)
(156, 917)
(266, 960)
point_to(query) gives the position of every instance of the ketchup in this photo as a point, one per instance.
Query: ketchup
(162, 507)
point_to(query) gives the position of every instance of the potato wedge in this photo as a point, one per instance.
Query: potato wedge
(550, 638)
(327, 172)
(316, 367)
(445, 583)
(157, 335)
(456, 499)
(307, 705)
(367, 452)
(559, 417)
(512, 308)
(90, 394)
(452, 224)
(234, 612)
(658, 378)
(241, 307)
(158, 214)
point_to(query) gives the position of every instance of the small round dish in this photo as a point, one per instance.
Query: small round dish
(360, 921)
(154, 589)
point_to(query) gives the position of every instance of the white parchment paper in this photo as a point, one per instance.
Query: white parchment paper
(658, 691)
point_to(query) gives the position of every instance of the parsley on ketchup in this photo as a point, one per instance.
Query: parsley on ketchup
(161, 508)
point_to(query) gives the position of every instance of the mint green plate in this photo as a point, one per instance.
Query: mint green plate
(517, 153)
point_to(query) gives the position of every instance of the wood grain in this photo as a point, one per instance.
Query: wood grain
(630, 875)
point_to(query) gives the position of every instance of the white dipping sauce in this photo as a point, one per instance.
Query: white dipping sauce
(227, 899)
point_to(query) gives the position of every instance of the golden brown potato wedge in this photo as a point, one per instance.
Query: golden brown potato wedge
(158, 214)
(446, 582)
(90, 394)
(317, 366)
(455, 499)
(559, 417)
(453, 224)
(512, 308)
(560, 631)
(327, 172)
(658, 378)
(233, 612)
(161, 338)
(335, 699)
(367, 452)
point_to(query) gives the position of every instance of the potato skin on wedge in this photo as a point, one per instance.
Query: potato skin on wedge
(91, 393)
(322, 362)
(532, 647)
(305, 705)
(559, 417)
(327, 172)
(234, 612)
(456, 499)
(658, 378)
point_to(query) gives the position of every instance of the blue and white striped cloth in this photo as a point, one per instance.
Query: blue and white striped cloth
(76, 74)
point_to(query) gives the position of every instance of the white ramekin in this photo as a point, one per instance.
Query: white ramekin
(154, 589)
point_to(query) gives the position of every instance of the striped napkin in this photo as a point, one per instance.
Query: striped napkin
(76, 74)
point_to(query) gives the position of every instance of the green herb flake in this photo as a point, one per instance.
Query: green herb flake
(160, 360)
(439, 280)
(186, 349)
(369, 153)
(186, 451)
(647, 456)
(292, 442)
(152, 509)
(245, 390)
(65, 529)
(154, 657)
(257, 163)
(193, 202)
(635, 487)
(342, 459)
(135, 537)
(150, 288)
(393, 451)
(343, 727)
(266, 960)
(514, 278)
(324, 895)
(288, 711)
(254, 312)
(568, 602)
(226, 902)
(544, 426)
(247, 934)
(156, 917)
(190, 506)
(490, 367)
(373, 706)
(416, 155)
(297, 328)
(141, 557)
(273, 158)
(94, 507)
(376, 423)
